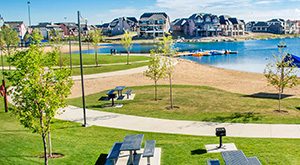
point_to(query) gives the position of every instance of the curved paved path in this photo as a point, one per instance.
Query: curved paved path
(147, 124)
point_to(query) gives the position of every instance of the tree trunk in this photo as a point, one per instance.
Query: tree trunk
(45, 148)
(49, 143)
(8, 52)
(96, 57)
(155, 90)
(60, 58)
(127, 57)
(171, 94)
(280, 90)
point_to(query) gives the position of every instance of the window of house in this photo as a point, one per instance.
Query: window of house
(216, 20)
(208, 19)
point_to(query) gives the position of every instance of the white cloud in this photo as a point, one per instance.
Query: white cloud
(266, 2)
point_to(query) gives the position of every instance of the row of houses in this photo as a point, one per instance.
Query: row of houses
(158, 24)
(276, 26)
(204, 25)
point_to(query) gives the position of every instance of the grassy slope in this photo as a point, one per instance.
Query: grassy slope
(89, 59)
(199, 104)
(84, 145)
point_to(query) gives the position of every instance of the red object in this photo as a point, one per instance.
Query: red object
(2, 90)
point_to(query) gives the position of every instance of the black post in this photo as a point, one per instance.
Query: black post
(29, 14)
(5, 95)
(70, 49)
(220, 142)
(81, 69)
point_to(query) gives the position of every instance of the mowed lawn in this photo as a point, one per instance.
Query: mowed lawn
(89, 59)
(198, 103)
(81, 145)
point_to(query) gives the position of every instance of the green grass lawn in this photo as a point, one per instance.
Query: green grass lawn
(109, 68)
(81, 145)
(199, 104)
(89, 59)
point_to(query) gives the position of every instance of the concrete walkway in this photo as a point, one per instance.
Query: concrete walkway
(146, 124)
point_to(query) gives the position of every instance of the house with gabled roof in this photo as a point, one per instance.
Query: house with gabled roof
(260, 27)
(18, 26)
(204, 25)
(180, 26)
(119, 25)
(154, 24)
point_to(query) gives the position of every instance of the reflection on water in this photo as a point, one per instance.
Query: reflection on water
(252, 55)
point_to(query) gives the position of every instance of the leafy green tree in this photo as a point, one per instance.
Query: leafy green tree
(156, 70)
(167, 49)
(10, 39)
(96, 36)
(127, 43)
(281, 73)
(56, 37)
(38, 89)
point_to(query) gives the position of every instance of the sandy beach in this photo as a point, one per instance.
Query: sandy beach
(190, 73)
(65, 48)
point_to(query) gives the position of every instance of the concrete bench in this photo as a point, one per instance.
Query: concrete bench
(128, 92)
(253, 161)
(114, 152)
(149, 150)
(212, 162)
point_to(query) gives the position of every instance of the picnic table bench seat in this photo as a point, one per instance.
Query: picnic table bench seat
(213, 162)
(110, 92)
(114, 152)
(253, 160)
(149, 150)
(128, 92)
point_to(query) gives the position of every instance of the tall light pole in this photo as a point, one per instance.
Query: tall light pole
(3, 80)
(69, 44)
(81, 69)
(28, 3)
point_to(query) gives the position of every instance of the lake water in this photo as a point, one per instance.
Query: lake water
(253, 55)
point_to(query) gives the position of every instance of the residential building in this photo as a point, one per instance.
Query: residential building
(292, 27)
(18, 26)
(119, 25)
(261, 26)
(154, 24)
(249, 25)
(277, 26)
(69, 28)
(231, 26)
(46, 27)
(180, 26)
(105, 28)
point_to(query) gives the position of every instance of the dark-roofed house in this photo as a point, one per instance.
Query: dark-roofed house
(201, 24)
(231, 26)
(18, 26)
(249, 25)
(277, 26)
(105, 28)
(154, 24)
(180, 26)
(260, 27)
(119, 25)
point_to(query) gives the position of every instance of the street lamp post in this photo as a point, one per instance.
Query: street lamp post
(81, 69)
(29, 14)
(69, 43)
(3, 80)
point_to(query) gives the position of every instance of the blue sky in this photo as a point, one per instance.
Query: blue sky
(101, 11)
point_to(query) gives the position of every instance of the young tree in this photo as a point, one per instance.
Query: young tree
(166, 48)
(156, 69)
(127, 43)
(10, 39)
(38, 89)
(56, 44)
(281, 73)
(96, 36)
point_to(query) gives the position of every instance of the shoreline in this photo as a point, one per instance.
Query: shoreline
(187, 72)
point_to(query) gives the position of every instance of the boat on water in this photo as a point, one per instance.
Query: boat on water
(281, 46)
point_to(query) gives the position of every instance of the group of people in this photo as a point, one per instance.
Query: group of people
(113, 51)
